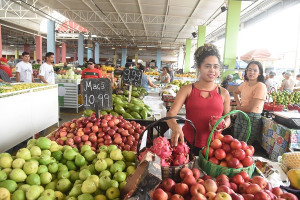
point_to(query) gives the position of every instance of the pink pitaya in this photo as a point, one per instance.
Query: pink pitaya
(143, 154)
(181, 148)
(161, 147)
(164, 163)
(180, 160)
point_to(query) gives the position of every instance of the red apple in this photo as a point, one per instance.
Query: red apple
(223, 163)
(223, 182)
(85, 138)
(235, 144)
(181, 188)
(118, 140)
(159, 194)
(228, 157)
(189, 180)
(100, 140)
(222, 196)
(126, 147)
(89, 125)
(288, 196)
(176, 197)
(111, 123)
(234, 187)
(247, 161)
(239, 154)
(277, 191)
(95, 129)
(88, 143)
(248, 196)
(185, 172)
(226, 148)
(63, 133)
(243, 187)
(220, 154)
(197, 197)
(216, 144)
(262, 182)
(210, 152)
(101, 134)
(205, 177)
(77, 139)
(210, 185)
(93, 138)
(227, 139)
(235, 196)
(168, 185)
(233, 163)
(196, 173)
(240, 165)
(125, 133)
(210, 195)
(237, 179)
(253, 189)
(80, 133)
(214, 160)
(245, 176)
(248, 152)
(224, 188)
(219, 136)
(197, 189)
(222, 176)
(262, 195)
(244, 145)
(111, 132)
(272, 196)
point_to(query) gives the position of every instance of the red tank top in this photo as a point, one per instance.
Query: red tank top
(199, 110)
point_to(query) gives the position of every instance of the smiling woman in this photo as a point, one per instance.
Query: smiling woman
(202, 100)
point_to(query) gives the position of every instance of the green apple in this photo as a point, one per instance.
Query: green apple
(116, 154)
(113, 193)
(100, 165)
(120, 176)
(24, 153)
(35, 151)
(104, 183)
(31, 167)
(46, 178)
(43, 143)
(63, 185)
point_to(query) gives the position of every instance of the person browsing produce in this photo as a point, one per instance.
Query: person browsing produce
(91, 71)
(288, 83)
(46, 69)
(145, 79)
(253, 94)
(203, 99)
(165, 76)
(24, 71)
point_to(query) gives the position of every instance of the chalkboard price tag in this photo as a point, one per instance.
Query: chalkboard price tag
(132, 77)
(97, 94)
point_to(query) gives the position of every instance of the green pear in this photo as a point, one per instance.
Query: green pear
(88, 186)
(116, 154)
(79, 160)
(9, 184)
(31, 167)
(129, 156)
(120, 176)
(74, 175)
(33, 179)
(92, 169)
(113, 193)
(18, 163)
(6, 161)
(59, 195)
(94, 178)
(54, 147)
(42, 169)
(115, 168)
(53, 167)
(44, 143)
(85, 148)
(18, 195)
(46, 152)
(46, 178)
(112, 147)
(90, 155)
(49, 193)
(85, 197)
(84, 174)
(100, 165)
(122, 185)
(130, 170)
(24, 153)
(104, 183)
(122, 163)
(33, 192)
(63, 185)
(31, 141)
(71, 165)
(105, 173)
(114, 183)
(7, 171)
(102, 155)
(35, 151)
(109, 161)
(3, 176)
(24, 187)
(17, 175)
(63, 174)
(51, 185)
(45, 159)
(70, 154)
(62, 168)
(103, 148)
(44, 198)
(57, 155)
(76, 190)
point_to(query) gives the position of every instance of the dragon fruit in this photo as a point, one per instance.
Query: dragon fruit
(161, 147)
(164, 163)
(213, 120)
(181, 148)
(180, 159)
(143, 154)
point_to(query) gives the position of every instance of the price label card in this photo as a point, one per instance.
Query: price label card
(97, 94)
(132, 77)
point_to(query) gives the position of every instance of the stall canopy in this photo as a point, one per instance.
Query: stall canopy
(256, 54)
(239, 64)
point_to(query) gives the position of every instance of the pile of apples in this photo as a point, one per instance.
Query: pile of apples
(96, 132)
(229, 152)
(239, 187)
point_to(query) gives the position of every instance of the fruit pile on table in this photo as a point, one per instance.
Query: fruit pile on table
(46, 170)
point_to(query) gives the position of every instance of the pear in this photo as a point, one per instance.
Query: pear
(116, 154)
(24, 153)
(49, 193)
(100, 165)
(76, 190)
(63, 185)
(18, 195)
(17, 175)
(35, 151)
(59, 195)
(33, 192)
(94, 178)
(31, 167)
(18, 163)
(6, 161)
(54, 147)
(88, 186)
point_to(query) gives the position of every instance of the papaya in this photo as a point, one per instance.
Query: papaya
(127, 116)
(119, 109)
(135, 115)
(294, 177)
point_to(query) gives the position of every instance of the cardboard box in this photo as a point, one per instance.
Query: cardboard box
(146, 177)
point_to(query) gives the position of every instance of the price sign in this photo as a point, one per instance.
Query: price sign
(97, 94)
(132, 77)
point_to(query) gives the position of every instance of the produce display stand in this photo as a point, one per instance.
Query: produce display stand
(25, 113)
(36, 80)
(278, 139)
(68, 91)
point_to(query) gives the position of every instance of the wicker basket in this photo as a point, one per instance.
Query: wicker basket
(215, 170)
(172, 171)
(272, 106)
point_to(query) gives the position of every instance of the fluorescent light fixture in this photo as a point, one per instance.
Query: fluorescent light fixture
(86, 47)
(68, 57)
(140, 49)
(11, 45)
(113, 48)
(60, 46)
(93, 36)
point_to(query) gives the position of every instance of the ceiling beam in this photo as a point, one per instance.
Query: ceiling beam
(139, 4)
(167, 12)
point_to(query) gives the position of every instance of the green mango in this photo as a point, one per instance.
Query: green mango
(134, 88)
(126, 92)
(135, 108)
(114, 114)
(148, 107)
(135, 115)
(144, 114)
(127, 116)
(135, 94)
(119, 109)
(117, 100)
(103, 112)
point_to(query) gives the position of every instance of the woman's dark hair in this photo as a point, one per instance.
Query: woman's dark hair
(260, 77)
(166, 69)
(205, 51)
(127, 65)
(142, 67)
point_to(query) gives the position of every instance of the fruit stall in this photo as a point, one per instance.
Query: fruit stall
(36, 106)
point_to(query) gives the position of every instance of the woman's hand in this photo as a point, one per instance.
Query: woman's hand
(177, 135)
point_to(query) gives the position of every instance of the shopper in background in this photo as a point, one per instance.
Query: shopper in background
(202, 100)
(24, 71)
(253, 94)
(145, 79)
(47, 70)
(228, 79)
(271, 82)
(4, 77)
(171, 73)
(288, 83)
(5, 67)
(65, 65)
(91, 71)
(164, 76)
(11, 62)
(283, 75)
(298, 81)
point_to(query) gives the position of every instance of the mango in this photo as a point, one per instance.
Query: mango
(294, 177)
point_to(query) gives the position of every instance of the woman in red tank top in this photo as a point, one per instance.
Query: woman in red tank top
(202, 100)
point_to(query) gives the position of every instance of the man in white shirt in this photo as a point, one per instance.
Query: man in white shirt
(46, 69)
(271, 82)
(24, 71)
